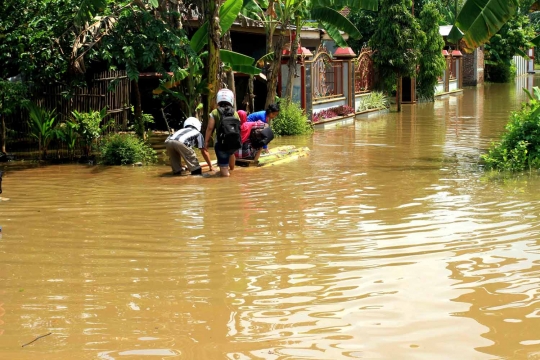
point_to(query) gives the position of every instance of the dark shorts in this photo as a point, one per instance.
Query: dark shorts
(223, 156)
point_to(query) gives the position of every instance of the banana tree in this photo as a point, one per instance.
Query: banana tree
(199, 75)
(479, 20)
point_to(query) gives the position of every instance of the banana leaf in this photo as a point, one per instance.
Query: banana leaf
(479, 20)
(239, 62)
(536, 41)
(372, 5)
(334, 18)
(227, 14)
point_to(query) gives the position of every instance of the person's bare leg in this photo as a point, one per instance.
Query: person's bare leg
(232, 160)
(224, 171)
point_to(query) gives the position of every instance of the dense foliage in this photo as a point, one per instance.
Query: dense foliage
(432, 62)
(519, 148)
(89, 127)
(141, 41)
(513, 38)
(13, 96)
(366, 22)
(397, 39)
(31, 39)
(125, 149)
(291, 120)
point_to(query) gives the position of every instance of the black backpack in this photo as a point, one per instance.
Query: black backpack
(261, 137)
(228, 132)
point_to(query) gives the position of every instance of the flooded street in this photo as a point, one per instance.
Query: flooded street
(388, 242)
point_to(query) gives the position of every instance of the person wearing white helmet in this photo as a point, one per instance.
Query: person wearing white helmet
(180, 146)
(225, 111)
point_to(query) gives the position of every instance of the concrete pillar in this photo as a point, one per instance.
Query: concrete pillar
(347, 56)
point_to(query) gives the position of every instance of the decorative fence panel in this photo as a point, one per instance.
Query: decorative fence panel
(109, 89)
(364, 71)
(326, 77)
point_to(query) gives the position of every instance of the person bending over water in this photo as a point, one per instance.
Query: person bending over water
(266, 116)
(252, 133)
(180, 146)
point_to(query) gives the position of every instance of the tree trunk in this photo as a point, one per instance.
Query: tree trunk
(270, 29)
(275, 65)
(2, 133)
(292, 62)
(227, 44)
(214, 34)
(138, 110)
(249, 99)
(399, 90)
(275, 68)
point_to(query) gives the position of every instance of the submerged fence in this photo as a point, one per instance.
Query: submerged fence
(327, 76)
(109, 89)
(364, 78)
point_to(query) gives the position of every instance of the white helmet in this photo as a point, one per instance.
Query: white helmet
(225, 95)
(193, 122)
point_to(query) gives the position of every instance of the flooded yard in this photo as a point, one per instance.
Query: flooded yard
(387, 242)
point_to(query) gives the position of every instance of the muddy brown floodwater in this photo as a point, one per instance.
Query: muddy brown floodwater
(388, 242)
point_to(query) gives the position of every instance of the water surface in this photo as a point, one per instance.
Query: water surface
(388, 242)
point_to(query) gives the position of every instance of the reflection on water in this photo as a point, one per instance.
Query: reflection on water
(387, 242)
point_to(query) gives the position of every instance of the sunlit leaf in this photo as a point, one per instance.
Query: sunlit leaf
(479, 20)
(200, 38)
(231, 57)
(228, 13)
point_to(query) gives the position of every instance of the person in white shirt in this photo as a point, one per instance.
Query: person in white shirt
(180, 146)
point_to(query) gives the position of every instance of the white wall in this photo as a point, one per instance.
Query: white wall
(330, 104)
(521, 65)
(297, 83)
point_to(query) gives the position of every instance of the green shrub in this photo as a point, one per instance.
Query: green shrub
(42, 126)
(67, 133)
(519, 147)
(124, 149)
(375, 100)
(88, 127)
(501, 72)
(291, 120)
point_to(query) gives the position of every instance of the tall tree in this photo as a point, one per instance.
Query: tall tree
(397, 42)
(13, 95)
(432, 62)
(512, 39)
(36, 37)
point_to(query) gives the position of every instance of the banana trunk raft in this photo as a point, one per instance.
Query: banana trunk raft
(277, 156)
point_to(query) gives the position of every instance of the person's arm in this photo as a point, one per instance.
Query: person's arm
(209, 131)
(206, 156)
(208, 135)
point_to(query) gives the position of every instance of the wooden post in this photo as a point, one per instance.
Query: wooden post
(398, 94)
